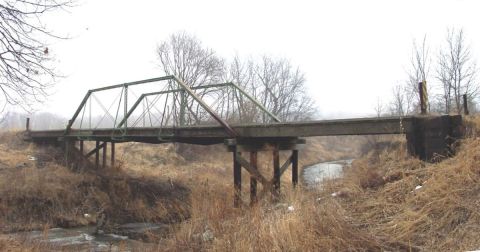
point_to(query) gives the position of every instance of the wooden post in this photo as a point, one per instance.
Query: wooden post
(81, 154)
(27, 126)
(237, 180)
(112, 155)
(253, 181)
(81, 147)
(276, 174)
(97, 154)
(104, 155)
(295, 168)
(422, 91)
(66, 142)
(465, 105)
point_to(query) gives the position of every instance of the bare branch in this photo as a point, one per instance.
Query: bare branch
(25, 74)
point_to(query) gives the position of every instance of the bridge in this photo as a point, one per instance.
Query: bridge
(168, 110)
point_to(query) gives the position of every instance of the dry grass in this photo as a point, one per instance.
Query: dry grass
(376, 207)
(40, 193)
(441, 215)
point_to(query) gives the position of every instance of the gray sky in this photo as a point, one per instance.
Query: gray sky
(352, 52)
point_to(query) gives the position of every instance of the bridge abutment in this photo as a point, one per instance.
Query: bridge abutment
(433, 138)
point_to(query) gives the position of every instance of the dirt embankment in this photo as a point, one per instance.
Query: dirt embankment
(37, 191)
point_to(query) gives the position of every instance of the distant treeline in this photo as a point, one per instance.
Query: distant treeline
(39, 121)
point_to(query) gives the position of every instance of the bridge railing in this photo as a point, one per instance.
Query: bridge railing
(181, 105)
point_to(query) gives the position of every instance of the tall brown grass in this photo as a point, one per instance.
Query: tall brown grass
(376, 207)
(418, 205)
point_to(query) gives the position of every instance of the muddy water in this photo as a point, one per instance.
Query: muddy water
(126, 237)
(314, 175)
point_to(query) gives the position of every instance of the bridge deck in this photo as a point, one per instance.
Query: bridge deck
(217, 134)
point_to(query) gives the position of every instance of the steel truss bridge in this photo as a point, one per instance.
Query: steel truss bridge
(169, 110)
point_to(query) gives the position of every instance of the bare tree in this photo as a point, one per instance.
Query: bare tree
(24, 71)
(379, 107)
(242, 73)
(276, 84)
(401, 104)
(457, 71)
(184, 55)
(282, 89)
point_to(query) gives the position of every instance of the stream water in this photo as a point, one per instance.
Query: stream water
(314, 175)
(126, 238)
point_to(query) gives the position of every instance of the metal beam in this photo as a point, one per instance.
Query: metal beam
(275, 118)
(139, 100)
(77, 112)
(227, 127)
(217, 134)
(169, 77)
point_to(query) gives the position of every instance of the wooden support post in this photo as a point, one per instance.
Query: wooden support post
(81, 154)
(276, 174)
(104, 155)
(27, 126)
(253, 181)
(112, 155)
(465, 105)
(295, 168)
(66, 142)
(422, 91)
(81, 147)
(97, 153)
(237, 180)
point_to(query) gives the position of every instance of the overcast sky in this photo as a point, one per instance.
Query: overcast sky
(352, 52)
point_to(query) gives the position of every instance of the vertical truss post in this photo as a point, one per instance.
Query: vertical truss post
(104, 155)
(112, 155)
(183, 106)
(237, 180)
(295, 168)
(125, 107)
(276, 174)
(253, 181)
(97, 154)
(143, 113)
